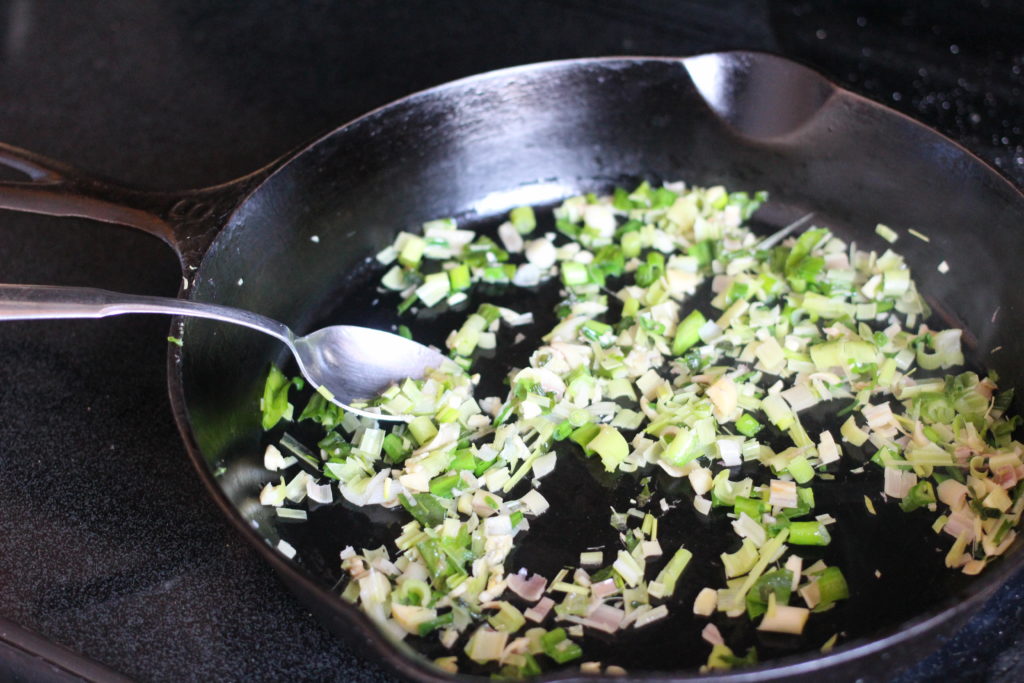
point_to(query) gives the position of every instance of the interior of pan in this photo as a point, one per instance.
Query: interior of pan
(301, 249)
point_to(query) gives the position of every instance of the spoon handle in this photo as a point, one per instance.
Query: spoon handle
(41, 302)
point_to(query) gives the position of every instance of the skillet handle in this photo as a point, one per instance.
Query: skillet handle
(187, 221)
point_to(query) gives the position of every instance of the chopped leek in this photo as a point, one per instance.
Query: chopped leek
(634, 373)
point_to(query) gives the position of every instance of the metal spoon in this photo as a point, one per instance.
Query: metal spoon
(348, 362)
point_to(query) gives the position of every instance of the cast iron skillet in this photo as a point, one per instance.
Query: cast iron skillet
(535, 134)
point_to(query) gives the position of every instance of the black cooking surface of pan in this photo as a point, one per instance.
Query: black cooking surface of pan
(296, 242)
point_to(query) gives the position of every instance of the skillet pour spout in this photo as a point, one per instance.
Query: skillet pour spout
(475, 148)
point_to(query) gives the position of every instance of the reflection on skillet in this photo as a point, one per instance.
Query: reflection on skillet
(780, 484)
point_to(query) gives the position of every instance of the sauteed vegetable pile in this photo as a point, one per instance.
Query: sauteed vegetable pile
(756, 370)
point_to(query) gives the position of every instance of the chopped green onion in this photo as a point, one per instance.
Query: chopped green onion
(558, 647)
(668, 576)
(275, 405)
(459, 278)
(809, 533)
(886, 233)
(574, 274)
(424, 507)
(748, 426)
(832, 586)
(688, 332)
(523, 219)
(422, 429)
(609, 444)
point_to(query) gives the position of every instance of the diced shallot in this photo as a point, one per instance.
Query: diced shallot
(529, 589)
(712, 635)
(539, 612)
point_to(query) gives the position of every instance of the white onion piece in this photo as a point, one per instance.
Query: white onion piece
(527, 275)
(319, 493)
(746, 527)
(510, 238)
(272, 459)
(952, 493)
(782, 493)
(799, 397)
(286, 548)
(705, 603)
(296, 489)
(601, 218)
(602, 618)
(702, 505)
(650, 616)
(959, 522)
(795, 564)
(898, 483)
(828, 451)
(785, 619)
(447, 435)
(729, 451)
(534, 502)
(514, 319)
(544, 465)
(709, 331)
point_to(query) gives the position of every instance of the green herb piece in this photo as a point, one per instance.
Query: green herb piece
(651, 270)
(413, 592)
(688, 332)
(459, 278)
(584, 434)
(632, 244)
(562, 431)
(801, 469)
(832, 586)
(778, 582)
(508, 619)
(574, 274)
(523, 219)
(422, 429)
(620, 199)
(611, 260)
(920, 494)
(802, 249)
(428, 627)
(809, 533)
(325, 413)
(669, 576)
(274, 404)
(610, 446)
(442, 486)
(407, 303)
(425, 508)
(336, 448)
(558, 647)
(703, 251)
(395, 448)
(753, 508)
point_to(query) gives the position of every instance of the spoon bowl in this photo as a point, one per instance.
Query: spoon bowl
(352, 362)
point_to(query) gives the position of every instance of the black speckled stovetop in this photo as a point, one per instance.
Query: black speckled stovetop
(112, 558)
